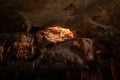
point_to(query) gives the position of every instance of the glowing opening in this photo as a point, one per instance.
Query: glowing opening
(58, 34)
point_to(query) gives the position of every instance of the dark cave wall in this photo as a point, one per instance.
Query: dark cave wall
(49, 12)
(71, 13)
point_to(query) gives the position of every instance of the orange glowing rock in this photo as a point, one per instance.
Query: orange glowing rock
(58, 34)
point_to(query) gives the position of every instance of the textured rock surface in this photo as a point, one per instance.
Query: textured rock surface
(96, 19)
(37, 55)
(44, 12)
